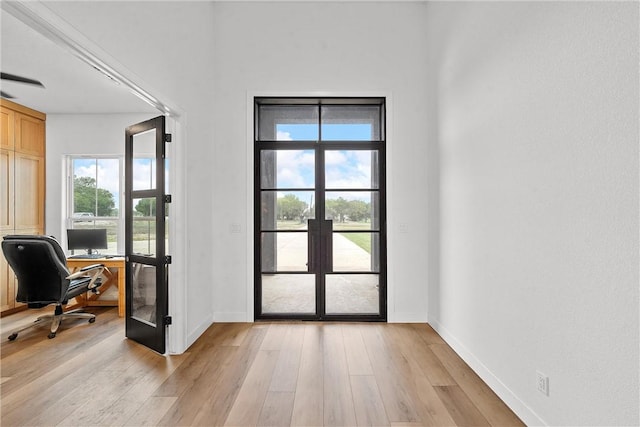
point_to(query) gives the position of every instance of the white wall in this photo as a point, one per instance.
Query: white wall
(314, 49)
(535, 113)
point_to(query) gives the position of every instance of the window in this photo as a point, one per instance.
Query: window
(95, 190)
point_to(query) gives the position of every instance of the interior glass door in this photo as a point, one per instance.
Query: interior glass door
(320, 230)
(145, 241)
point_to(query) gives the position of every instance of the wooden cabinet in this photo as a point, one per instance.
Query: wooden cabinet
(22, 182)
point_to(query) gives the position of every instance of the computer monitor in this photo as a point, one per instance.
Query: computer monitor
(88, 239)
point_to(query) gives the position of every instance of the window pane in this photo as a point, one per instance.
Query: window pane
(351, 123)
(288, 123)
(286, 210)
(287, 169)
(288, 293)
(355, 252)
(96, 187)
(352, 293)
(144, 226)
(356, 210)
(144, 293)
(284, 252)
(144, 160)
(351, 169)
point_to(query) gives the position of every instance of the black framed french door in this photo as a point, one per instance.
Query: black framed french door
(145, 233)
(320, 209)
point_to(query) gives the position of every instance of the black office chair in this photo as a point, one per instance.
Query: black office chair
(43, 278)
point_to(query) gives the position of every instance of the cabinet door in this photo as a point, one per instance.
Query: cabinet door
(7, 119)
(29, 192)
(7, 286)
(6, 191)
(29, 135)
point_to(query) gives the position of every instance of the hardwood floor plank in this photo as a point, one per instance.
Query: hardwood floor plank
(338, 401)
(489, 404)
(151, 411)
(277, 409)
(434, 413)
(427, 333)
(248, 404)
(219, 401)
(152, 375)
(462, 410)
(422, 360)
(367, 401)
(398, 403)
(308, 407)
(274, 337)
(285, 374)
(357, 357)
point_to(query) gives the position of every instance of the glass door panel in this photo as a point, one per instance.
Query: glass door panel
(143, 289)
(351, 169)
(352, 293)
(288, 294)
(144, 161)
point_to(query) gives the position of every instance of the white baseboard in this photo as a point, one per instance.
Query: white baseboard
(230, 316)
(199, 330)
(526, 414)
(407, 317)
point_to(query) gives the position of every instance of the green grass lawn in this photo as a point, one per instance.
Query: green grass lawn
(361, 239)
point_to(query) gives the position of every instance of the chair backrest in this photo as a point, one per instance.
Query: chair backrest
(40, 266)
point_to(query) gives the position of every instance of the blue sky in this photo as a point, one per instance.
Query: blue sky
(107, 173)
(343, 168)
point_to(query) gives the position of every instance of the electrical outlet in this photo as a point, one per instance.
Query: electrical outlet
(543, 383)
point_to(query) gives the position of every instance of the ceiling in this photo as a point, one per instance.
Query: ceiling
(71, 86)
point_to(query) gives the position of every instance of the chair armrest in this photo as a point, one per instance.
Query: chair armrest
(83, 271)
(94, 271)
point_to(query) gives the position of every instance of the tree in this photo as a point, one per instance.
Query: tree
(358, 210)
(337, 208)
(290, 207)
(87, 197)
(146, 207)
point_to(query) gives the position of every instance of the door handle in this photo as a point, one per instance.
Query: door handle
(327, 246)
(312, 259)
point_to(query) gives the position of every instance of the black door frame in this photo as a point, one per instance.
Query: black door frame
(319, 264)
(150, 334)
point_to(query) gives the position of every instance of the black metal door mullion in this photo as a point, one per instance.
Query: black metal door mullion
(320, 216)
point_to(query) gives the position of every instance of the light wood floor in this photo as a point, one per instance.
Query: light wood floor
(268, 374)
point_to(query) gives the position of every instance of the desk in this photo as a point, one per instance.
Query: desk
(114, 274)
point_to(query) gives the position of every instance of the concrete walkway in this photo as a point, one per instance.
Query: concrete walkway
(295, 293)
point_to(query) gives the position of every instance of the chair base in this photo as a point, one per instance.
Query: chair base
(56, 319)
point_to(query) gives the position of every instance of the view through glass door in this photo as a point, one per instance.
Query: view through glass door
(320, 235)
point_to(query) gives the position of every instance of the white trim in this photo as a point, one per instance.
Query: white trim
(177, 337)
(250, 317)
(251, 94)
(526, 414)
(198, 331)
